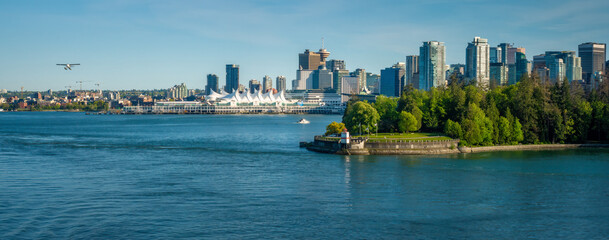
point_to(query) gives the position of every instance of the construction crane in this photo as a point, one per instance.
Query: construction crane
(98, 88)
(81, 83)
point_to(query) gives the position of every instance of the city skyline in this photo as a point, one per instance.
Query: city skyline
(144, 45)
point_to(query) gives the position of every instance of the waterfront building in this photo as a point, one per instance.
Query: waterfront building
(177, 92)
(498, 74)
(349, 86)
(477, 62)
(309, 60)
(412, 68)
(280, 83)
(335, 64)
(432, 72)
(593, 56)
(392, 81)
(322, 78)
(267, 83)
(563, 64)
(312, 60)
(212, 83)
(254, 85)
(337, 79)
(495, 55)
(303, 80)
(232, 78)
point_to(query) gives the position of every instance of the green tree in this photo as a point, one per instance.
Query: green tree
(517, 134)
(453, 129)
(504, 130)
(477, 128)
(361, 116)
(334, 128)
(418, 114)
(407, 122)
(386, 108)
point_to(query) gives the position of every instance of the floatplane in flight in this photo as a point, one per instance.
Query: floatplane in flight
(68, 66)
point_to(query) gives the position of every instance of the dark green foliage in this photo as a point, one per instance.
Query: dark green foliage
(453, 129)
(386, 108)
(407, 122)
(360, 117)
(526, 112)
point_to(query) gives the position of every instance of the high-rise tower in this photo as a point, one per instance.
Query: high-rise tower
(593, 56)
(432, 65)
(477, 61)
(232, 78)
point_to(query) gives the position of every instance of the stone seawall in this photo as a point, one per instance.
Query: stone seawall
(402, 147)
(392, 147)
(532, 147)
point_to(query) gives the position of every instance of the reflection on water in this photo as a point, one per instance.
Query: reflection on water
(68, 175)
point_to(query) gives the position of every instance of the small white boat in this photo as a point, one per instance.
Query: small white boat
(303, 121)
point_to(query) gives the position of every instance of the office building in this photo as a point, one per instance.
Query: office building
(267, 84)
(322, 78)
(232, 78)
(498, 74)
(360, 73)
(309, 60)
(337, 76)
(372, 82)
(521, 67)
(392, 81)
(336, 65)
(312, 60)
(254, 85)
(349, 86)
(280, 83)
(303, 80)
(412, 68)
(563, 65)
(495, 55)
(593, 56)
(539, 61)
(543, 73)
(432, 72)
(508, 53)
(212, 84)
(477, 62)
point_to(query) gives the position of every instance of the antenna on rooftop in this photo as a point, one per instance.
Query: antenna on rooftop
(322, 43)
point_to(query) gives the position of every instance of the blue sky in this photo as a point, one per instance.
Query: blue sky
(133, 44)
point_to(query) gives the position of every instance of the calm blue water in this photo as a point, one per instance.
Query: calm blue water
(69, 175)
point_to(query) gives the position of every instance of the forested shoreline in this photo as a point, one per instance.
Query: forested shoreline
(528, 112)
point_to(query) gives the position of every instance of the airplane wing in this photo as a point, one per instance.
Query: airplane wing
(74, 64)
(62, 64)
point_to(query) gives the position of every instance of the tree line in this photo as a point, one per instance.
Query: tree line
(528, 112)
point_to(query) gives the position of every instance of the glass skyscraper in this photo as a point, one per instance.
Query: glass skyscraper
(593, 56)
(477, 61)
(232, 78)
(432, 65)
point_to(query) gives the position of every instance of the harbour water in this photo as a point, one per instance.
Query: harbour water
(77, 176)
